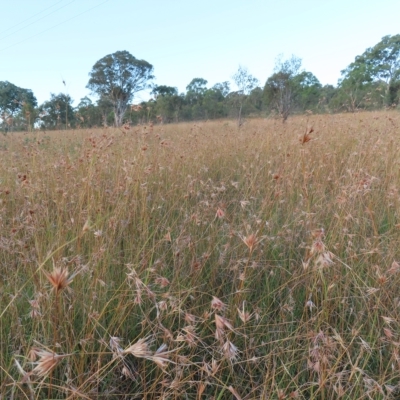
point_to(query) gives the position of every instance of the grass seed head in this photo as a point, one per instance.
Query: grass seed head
(59, 278)
(217, 304)
(47, 362)
(250, 241)
(230, 350)
(140, 349)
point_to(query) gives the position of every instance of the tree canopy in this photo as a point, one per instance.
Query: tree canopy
(57, 113)
(245, 83)
(118, 77)
(163, 90)
(279, 90)
(380, 63)
(13, 98)
(371, 82)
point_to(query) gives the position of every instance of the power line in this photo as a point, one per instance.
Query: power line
(54, 26)
(34, 22)
(19, 23)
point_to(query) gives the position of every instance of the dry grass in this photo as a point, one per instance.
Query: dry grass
(200, 261)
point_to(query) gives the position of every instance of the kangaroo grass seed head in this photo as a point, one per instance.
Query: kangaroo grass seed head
(250, 241)
(217, 304)
(140, 349)
(58, 278)
(46, 363)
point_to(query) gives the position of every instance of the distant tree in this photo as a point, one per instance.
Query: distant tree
(327, 93)
(360, 88)
(255, 100)
(57, 113)
(245, 83)
(280, 88)
(26, 118)
(353, 86)
(118, 77)
(195, 90)
(380, 63)
(85, 102)
(168, 108)
(13, 99)
(214, 101)
(106, 108)
(88, 114)
(307, 91)
(223, 88)
(163, 90)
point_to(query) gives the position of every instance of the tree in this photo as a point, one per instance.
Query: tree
(57, 112)
(214, 100)
(327, 93)
(106, 107)
(167, 103)
(195, 90)
(26, 117)
(307, 91)
(255, 100)
(88, 114)
(279, 90)
(380, 63)
(224, 88)
(245, 83)
(118, 77)
(13, 99)
(163, 90)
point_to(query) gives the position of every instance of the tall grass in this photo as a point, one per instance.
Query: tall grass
(202, 261)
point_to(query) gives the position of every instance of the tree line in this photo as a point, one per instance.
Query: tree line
(371, 82)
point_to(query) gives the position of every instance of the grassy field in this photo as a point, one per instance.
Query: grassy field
(200, 261)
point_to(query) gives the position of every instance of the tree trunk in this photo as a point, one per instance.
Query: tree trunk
(240, 115)
(118, 116)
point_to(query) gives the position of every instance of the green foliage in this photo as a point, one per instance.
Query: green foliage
(117, 77)
(167, 103)
(168, 107)
(163, 90)
(245, 83)
(195, 91)
(327, 93)
(289, 88)
(213, 103)
(200, 102)
(89, 115)
(380, 63)
(307, 91)
(255, 100)
(223, 88)
(105, 106)
(57, 113)
(14, 99)
(371, 82)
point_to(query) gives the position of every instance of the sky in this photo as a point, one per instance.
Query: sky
(46, 42)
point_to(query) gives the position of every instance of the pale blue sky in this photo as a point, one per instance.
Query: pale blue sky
(43, 42)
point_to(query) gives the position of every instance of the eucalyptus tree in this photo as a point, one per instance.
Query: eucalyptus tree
(195, 90)
(279, 90)
(57, 113)
(13, 100)
(378, 65)
(245, 83)
(167, 103)
(118, 77)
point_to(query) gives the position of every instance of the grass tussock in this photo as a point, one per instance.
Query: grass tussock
(200, 261)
